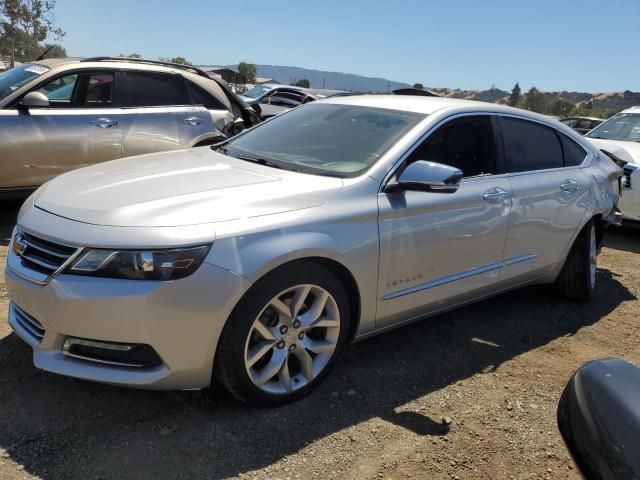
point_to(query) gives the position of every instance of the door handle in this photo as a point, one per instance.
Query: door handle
(569, 186)
(495, 195)
(193, 121)
(104, 123)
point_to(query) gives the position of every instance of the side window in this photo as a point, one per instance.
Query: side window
(574, 154)
(148, 89)
(99, 90)
(530, 146)
(465, 143)
(200, 97)
(60, 91)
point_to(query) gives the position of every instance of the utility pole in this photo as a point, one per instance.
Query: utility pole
(323, 80)
(13, 44)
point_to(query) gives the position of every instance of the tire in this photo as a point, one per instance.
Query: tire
(577, 280)
(262, 337)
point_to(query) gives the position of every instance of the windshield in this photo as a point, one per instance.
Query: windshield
(256, 92)
(326, 139)
(624, 126)
(14, 78)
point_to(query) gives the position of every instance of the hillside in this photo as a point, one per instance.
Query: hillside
(597, 104)
(331, 80)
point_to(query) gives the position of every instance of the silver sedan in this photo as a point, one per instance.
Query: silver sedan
(256, 261)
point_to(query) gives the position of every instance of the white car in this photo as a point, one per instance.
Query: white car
(620, 135)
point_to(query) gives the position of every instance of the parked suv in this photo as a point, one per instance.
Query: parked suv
(61, 114)
(259, 259)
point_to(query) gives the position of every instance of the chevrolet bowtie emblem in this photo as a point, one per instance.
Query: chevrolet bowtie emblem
(18, 245)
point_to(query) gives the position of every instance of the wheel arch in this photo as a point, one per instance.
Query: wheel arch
(342, 273)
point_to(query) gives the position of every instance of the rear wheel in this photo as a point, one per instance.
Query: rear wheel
(284, 335)
(577, 280)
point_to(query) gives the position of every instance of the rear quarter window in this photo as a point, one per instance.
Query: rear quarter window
(574, 154)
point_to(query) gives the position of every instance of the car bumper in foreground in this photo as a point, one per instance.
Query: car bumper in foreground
(159, 335)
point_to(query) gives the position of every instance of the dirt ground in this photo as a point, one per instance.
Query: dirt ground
(494, 370)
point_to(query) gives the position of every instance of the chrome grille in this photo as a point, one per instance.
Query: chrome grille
(27, 326)
(628, 170)
(43, 256)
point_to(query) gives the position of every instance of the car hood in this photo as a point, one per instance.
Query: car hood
(628, 151)
(186, 187)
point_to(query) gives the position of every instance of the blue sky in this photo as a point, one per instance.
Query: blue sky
(586, 45)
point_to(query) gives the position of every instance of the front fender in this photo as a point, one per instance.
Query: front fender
(354, 247)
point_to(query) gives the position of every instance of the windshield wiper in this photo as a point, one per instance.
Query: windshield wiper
(221, 148)
(259, 161)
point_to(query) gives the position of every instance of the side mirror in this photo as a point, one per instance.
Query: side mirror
(35, 100)
(427, 177)
(236, 127)
(599, 419)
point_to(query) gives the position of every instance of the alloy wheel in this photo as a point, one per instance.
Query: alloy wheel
(293, 339)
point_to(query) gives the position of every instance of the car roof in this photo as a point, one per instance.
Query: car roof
(635, 109)
(582, 118)
(429, 105)
(123, 63)
(417, 104)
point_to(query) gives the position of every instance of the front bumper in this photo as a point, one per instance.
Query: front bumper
(181, 320)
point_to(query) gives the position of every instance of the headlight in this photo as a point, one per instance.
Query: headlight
(139, 264)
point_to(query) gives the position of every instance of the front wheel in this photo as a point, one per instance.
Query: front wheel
(282, 338)
(577, 280)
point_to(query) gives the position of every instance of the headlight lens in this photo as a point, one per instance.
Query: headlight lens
(139, 264)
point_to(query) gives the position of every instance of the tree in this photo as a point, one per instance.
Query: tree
(24, 25)
(303, 82)
(248, 71)
(131, 55)
(418, 86)
(178, 60)
(534, 100)
(514, 98)
(561, 107)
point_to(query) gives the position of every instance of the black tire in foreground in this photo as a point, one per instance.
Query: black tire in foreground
(577, 278)
(282, 338)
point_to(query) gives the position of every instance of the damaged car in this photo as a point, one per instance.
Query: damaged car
(256, 261)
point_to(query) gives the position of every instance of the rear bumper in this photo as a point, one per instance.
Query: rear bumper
(180, 320)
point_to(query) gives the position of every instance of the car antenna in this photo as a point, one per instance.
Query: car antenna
(44, 54)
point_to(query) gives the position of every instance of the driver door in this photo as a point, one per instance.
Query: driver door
(79, 127)
(439, 249)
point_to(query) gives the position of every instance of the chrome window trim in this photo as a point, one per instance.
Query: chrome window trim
(459, 276)
(589, 156)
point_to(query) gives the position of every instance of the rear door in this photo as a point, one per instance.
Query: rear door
(550, 193)
(161, 115)
(80, 127)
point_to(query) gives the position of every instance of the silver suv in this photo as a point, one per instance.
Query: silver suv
(60, 114)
